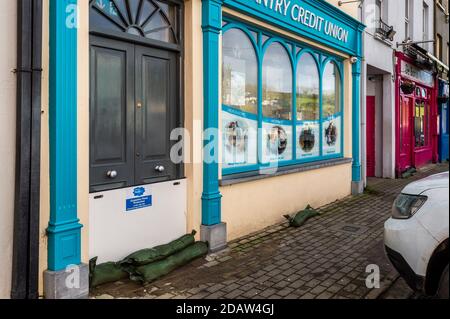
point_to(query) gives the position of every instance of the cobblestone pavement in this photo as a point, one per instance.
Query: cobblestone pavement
(326, 258)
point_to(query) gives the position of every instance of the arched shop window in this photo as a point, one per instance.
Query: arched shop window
(295, 100)
(239, 98)
(277, 104)
(151, 19)
(239, 72)
(331, 109)
(308, 107)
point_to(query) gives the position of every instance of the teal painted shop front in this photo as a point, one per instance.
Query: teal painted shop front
(283, 112)
(313, 121)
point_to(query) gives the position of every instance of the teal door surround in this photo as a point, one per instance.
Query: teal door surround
(211, 26)
(316, 20)
(64, 229)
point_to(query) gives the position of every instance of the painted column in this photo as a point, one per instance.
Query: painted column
(357, 185)
(213, 230)
(211, 198)
(64, 229)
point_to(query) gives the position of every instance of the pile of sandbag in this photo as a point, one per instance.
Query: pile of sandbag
(147, 265)
(302, 217)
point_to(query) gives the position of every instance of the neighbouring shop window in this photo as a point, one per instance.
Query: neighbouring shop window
(420, 124)
(281, 101)
(151, 19)
(444, 119)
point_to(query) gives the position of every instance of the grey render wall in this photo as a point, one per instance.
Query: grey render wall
(378, 52)
(441, 27)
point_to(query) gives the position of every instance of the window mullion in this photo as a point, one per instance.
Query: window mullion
(294, 104)
(320, 105)
(260, 97)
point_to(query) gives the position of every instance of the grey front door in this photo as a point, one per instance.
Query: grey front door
(155, 115)
(133, 109)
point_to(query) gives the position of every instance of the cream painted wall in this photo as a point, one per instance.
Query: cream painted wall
(83, 137)
(8, 62)
(252, 206)
(45, 150)
(83, 126)
(349, 8)
(193, 64)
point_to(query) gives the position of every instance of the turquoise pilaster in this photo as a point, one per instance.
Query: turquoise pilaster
(64, 229)
(211, 26)
(356, 121)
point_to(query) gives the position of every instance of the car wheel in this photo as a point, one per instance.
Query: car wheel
(443, 285)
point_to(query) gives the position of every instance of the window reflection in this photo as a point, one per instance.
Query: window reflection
(331, 90)
(277, 83)
(239, 72)
(307, 89)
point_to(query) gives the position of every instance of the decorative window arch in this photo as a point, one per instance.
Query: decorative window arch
(239, 97)
(299, 102)
(308, 88)
(277, 82)
(331, 108)
(150, 19)
(239, 71)
(331, 89)
(308, 105)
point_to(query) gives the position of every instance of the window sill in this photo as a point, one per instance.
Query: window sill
(380, 38)
(254, 176)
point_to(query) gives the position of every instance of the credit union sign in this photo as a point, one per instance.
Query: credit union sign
(313, 19)
(298, 13)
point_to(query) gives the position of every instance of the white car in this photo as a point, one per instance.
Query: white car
(416, 236)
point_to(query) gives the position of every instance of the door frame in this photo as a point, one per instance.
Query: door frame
(410, 136)
(150, 43)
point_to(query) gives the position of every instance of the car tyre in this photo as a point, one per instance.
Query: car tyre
(442, 292)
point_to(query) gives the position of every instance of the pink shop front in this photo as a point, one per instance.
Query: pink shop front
(416, 114)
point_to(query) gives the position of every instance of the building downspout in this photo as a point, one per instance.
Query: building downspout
(363, 103)
(28, 130)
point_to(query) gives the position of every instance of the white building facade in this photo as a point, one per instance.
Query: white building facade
(390, 24)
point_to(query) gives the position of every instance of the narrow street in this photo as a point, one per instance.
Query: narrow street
(324, 259)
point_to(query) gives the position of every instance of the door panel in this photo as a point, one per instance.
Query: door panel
(156, 92)
(111, 114)
(370, 135)
(406, 131)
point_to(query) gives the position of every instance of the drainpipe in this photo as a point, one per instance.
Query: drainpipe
(25, 262)
(363, 104)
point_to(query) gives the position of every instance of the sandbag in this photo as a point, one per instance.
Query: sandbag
(301, 217)
(105, 273)
(153, 271)
(150, 255)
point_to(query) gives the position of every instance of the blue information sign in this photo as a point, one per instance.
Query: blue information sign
(139, 199)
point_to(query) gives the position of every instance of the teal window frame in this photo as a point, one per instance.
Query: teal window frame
(295, 50)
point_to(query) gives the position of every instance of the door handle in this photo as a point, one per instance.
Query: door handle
(112, 174)
(160, 168)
